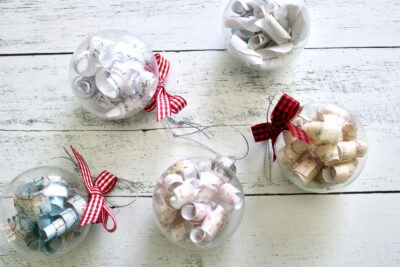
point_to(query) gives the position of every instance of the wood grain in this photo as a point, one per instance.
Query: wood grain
(59, 26)
(36, 94)
(141, 156)
(340, 230)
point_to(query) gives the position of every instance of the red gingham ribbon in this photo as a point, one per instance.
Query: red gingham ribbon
(97, 207)
(164, 102)
(285, 110)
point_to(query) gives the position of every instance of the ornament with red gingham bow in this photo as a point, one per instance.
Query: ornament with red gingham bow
(285, 110)
(164, 102)
(97, 209)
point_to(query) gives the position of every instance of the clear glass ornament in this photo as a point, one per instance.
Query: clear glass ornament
(113, 74)
(40, 212)
(336, 155)
(198, 203)
(265, 34)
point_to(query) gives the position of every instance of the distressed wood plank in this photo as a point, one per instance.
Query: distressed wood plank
(36, 95)
(340, 230)
(59, 26)
(141, 156)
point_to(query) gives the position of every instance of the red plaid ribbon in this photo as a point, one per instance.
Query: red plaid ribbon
(285, 110)
(97, 208)
(164, 102)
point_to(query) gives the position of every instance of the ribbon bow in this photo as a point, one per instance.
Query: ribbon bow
(97, 207)
(285, 110)
(164, 102)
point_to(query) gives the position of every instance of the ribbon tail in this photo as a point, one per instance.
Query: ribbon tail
(298, 133)
(93, 210)
(105, 213)
(177, 103)
(163, 105)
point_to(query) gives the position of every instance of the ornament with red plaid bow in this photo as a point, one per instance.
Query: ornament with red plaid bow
(285, 110)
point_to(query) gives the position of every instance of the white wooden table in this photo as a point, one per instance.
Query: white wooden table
(352, 58)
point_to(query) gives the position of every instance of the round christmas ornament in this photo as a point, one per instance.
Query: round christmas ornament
(198, 202)
(266, 34)
(320, 147)
(46, 210)
(115, 75)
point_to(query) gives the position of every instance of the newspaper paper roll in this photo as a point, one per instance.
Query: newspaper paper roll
(338, 173)
(305, 170)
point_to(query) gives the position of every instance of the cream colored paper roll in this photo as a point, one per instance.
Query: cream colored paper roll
(361, 148)
(288, 137)
(305, 170)
(298, 146)
(347, 151)
(339, 173)
(291, 155)
(349, 132)
(282, 156)
(328, 154)
(322, 133)
(178, 232)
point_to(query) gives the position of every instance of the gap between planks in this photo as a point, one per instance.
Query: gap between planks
(200, 50)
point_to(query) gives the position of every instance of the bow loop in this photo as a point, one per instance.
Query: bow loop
(97, 209)
(285, 110)
(165, 103)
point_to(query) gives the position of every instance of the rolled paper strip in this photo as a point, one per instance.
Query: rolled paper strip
(281, 15)
(109, 87)
(213, 221)
(53, 246)
(298, 146)
(159, 195)
(205, 194)
(57, 179)
(198, 236)
(204, 165)
(183, 194)
(361, 148)
(85, 87)
(224, 162)
(8, 232)
(240, 7)
(57, 205)
(297, 17)
(258, 41)
(32, 241)
(211, 179)
(78, 204)
(119, 72)
(242, 23)
(185, 168)
(332, 110)
(322, 133)
(22, 226)
(273, 29)
(288, 137)
(244, 35)
(298, 122)
(166, 215)
(194, 211)
(70, 218)
(44, 221)
(55, 229)
(291, 155)
(347, 151)
(126, 105)
(84, 64)
(328, 154)
(339, 173)
(349, 132)
(171, 181)
(229, 193)
(144, 81)
(305, 170)
(282, 156)
(33, 205)
(56, 189)
(101, 50)
(178, 232)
